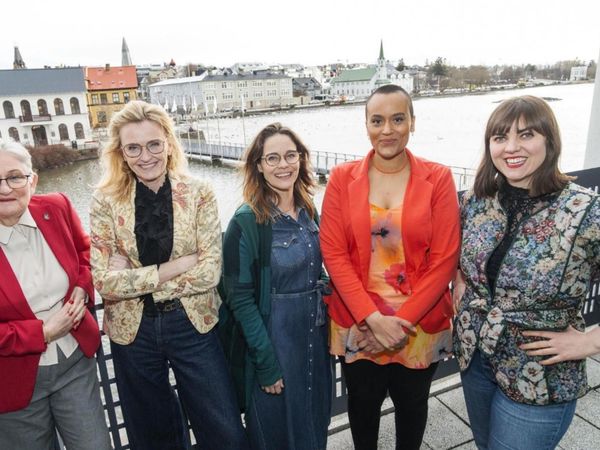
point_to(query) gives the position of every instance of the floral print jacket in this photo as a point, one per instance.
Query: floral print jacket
(541, 284)
(196, 227)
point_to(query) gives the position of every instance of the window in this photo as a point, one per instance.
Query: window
(94, 99)
(26, 110)
(74, 106)
(116, 98)
(224, 84)
(258, 94)
(126, 97)
(79, 131)
(42, 107)
(257, 83)
(227, 95)
(242, 84)
(59, 108)
(63, 132)
(101, 117)
(271, 93)
(9, 111)
(14, 134)
(103, 99)
(271, 83)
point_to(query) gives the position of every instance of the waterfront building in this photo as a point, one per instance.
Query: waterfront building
(307, 86)
(578, 73)
(108, 90)
(43, 106)
(361, 82)
(224, 90)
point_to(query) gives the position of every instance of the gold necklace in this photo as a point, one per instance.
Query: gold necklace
(390, 172)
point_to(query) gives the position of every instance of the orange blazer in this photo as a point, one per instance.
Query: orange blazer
(21, 335)
(430, 236)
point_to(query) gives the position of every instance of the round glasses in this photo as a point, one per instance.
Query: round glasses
(16, 181)
(155, 147)
(273, 159)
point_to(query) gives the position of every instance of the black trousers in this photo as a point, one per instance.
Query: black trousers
(369, 383)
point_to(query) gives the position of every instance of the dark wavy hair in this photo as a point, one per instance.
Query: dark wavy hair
(537, 115)
(258, 194)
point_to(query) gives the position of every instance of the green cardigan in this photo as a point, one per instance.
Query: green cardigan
(246, 291)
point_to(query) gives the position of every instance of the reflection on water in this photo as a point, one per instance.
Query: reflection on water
(77, 181)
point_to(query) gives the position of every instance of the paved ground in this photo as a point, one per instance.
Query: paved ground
(448, 424)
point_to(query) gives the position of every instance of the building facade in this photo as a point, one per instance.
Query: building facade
(44, 106)
(224, 92)
(108, 90)
(578, 73)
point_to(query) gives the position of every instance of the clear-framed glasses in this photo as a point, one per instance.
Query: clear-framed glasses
(155, 147)
(273, 159)
(16, 181)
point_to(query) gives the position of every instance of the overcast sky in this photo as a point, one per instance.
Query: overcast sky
(223, 32)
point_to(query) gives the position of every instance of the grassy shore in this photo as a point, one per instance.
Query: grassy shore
(52, 156)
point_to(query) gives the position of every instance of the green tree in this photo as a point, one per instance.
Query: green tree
(439, 69)
(401, 66)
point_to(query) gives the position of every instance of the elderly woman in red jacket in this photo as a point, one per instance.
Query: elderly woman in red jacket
(47, 335)
(390, 242)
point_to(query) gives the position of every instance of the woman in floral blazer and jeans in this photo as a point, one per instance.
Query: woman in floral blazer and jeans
(531, 241)
(156, 261)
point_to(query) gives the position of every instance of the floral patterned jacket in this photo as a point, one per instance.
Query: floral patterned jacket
(196, 227)
(541, 284)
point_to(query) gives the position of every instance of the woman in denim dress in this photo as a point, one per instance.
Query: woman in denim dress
(272, 271)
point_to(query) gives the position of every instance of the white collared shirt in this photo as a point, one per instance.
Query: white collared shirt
(41, 277)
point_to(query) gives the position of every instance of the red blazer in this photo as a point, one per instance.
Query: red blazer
(430, 236)
(21, 335)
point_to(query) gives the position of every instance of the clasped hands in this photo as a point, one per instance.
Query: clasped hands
(380, 332)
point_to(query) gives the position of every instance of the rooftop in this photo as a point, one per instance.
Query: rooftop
(107, 77)
(41, 81)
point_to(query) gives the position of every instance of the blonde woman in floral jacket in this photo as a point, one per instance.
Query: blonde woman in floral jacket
(531, 241)
(156, 261)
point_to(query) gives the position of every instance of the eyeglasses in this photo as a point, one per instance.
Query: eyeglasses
(155, 147)
(273, 159)
(16, 181)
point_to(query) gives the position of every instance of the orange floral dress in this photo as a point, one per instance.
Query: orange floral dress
(389, 287)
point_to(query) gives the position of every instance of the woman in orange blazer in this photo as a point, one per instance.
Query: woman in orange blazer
(48, 336)
(390, 242)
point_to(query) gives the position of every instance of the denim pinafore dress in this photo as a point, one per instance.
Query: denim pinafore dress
(298, 418)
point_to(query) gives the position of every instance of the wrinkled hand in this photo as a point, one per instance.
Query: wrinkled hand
(562, 345)
(458, 290)
(118, 262)
(275, 389)
(367, 342)
(61, 322)
(389, 330)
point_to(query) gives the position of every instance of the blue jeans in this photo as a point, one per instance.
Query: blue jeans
(152, 415)
(498, 422)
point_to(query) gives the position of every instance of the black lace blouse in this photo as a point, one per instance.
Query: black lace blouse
(153, 227)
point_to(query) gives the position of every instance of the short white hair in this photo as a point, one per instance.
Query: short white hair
(19, 152)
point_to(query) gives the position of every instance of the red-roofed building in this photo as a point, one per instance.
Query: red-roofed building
(108, 89)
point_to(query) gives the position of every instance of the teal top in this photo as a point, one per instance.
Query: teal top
(246, 291)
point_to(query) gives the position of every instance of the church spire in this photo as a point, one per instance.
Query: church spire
(125, 56)
(18, 63)
(381, 57)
